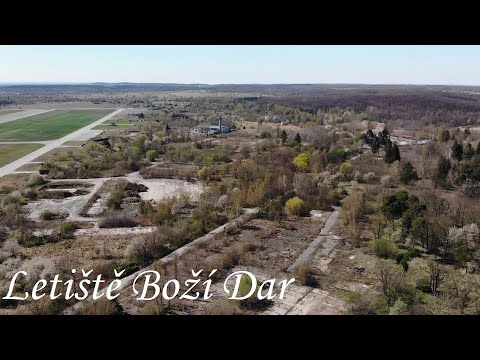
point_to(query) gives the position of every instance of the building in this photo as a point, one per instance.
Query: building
(210, 129)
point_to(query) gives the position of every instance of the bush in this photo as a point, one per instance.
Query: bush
(346, 169)
(11, 200)
(67, 228)
(304, 275)
(116, 221)
(152, 155)
(115, 200)
(27, 239)
(384, 247)
(3, 234)
(295, 206)
(30, 194)
(302, 161)
(36, 180)
(145, 207)
(51, 215)
(369, 177)
(387, 181)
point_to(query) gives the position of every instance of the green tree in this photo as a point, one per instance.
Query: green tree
(392, 152)
(302, 161)
(152, 155)
(443, 168)
(295, 206)
(284, 136)
(393, 206)
(407, 173)
(298, 139)
(469, 152)
(457, 150)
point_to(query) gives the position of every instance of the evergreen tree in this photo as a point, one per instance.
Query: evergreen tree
(478, 148)
(457, 150)
(298, 139)
(396, 152)
(392, 152)
(284, 136)
(469, 152)
(444, 136)
(407, 173)
(443, 168)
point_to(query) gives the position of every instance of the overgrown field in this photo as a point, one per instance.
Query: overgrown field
(11, 152)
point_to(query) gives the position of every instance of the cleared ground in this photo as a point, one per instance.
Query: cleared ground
(8, 111)
(49, 126)
(11, 152)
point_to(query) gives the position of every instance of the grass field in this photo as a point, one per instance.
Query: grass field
(9, 153)
(49, 126)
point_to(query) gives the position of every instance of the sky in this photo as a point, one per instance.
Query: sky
(235, 64)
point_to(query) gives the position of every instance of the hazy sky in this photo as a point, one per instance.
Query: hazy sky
(242, 64)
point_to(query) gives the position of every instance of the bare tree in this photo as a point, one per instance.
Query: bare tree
(391, 280)
(462, 289)
(437, 274)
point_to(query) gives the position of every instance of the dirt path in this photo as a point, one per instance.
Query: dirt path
(324, 239)
(21, 114)
(14, 165)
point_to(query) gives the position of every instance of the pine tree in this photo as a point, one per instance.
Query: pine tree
(443, 168)
(284, 136)
(407, 173)
(444, 136)
(469, 152)
(457, 151)
(298, 139)
(392, 152)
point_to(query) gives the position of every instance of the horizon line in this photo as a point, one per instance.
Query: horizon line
(220, 84)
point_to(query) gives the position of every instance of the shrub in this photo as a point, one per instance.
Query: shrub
(116, 221)
(145, 207)
(114, 202)
(36, 180)
(10, 200)
(383, 247)
(387, 181)
(369, 177)
(3, 234)
(230, 257)
(148, 248)
(346, 168)
(51, 215)
(302, 161)
(67, 228)
(358, 176)
(295, 206)
(152, 155)
(30, 194)
(27, 239)
(102, 306)
(304, 275)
